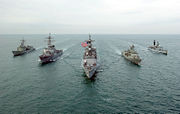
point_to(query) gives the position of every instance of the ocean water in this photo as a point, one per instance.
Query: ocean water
(118, 87)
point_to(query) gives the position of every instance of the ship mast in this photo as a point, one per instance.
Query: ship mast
(90, 41)
(49, 39)
(89, 37)
(22, 42)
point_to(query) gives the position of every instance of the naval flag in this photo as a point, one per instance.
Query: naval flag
(84, 44)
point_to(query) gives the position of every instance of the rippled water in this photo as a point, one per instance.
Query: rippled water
(119, 86)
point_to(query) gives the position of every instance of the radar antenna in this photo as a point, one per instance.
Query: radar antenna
(22, 42)
(89, 36)
(49, 40)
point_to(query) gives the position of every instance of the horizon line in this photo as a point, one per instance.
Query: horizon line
(92, 33)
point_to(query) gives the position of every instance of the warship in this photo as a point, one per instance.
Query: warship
(50, 54)
(22, 49)
(157, 48)
(89, 62)
(132, 55)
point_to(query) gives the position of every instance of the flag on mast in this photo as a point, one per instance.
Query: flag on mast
(84, 44)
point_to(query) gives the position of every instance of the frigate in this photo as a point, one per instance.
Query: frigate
(157, 48)
(132, 55)
(22, 49)
(89, 62)
(50, 53)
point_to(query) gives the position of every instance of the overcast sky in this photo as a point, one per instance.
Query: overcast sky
(90, 16)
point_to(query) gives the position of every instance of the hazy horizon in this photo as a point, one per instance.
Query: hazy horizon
(95, 16)
(83, 34)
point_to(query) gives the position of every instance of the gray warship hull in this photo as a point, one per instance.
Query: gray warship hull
(133, 60)
(18, 53)
(156, 50)
(90, 73)
(52, 58)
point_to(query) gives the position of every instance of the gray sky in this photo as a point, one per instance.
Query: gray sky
(90, 16)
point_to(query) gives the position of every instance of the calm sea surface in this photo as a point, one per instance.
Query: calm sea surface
(119, 86)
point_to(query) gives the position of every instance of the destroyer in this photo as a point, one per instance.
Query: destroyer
(89, 61)
(132, 55)
(157, 48)
(50, 53)
(22, 49)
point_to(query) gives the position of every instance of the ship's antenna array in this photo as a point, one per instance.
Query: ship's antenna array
(49, 40)
(22, 42)
(89, 36)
